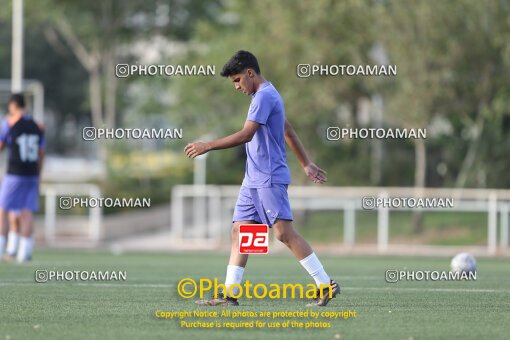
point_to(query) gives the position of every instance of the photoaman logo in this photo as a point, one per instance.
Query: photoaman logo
(188, 288)
(253, 239)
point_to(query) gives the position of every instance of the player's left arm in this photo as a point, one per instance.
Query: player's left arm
(41, 149)
(40, 160)
(311, 170)
(242, 136)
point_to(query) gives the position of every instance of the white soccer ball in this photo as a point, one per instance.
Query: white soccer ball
(463, 263)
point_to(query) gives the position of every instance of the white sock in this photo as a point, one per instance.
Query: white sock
(3, 240)
(234, 276)
(12, 243)
(26, 246)
(314, 267)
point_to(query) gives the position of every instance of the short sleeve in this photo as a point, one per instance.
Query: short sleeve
(260, 108)
(4, 131)
(42, 141)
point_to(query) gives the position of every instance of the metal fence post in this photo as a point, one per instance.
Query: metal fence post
(492, 221)
(382, 226)
(349, 224)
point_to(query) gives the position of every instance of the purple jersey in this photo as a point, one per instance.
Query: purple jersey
(266, 162)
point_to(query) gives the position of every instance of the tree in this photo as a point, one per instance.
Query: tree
(451, 59)
(101, 33)
(283, 34)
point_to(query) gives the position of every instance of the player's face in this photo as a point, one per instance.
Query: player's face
(12, 108)
(244, 81)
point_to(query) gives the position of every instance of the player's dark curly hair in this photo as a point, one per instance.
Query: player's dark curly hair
(241, 61)
(18, 99)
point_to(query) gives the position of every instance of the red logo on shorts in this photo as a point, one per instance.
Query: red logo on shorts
(253, 238)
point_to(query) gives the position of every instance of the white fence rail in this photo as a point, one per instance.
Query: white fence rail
(52, 191)
(202, 213)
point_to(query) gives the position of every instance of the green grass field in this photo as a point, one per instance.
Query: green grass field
(125, 310)
(439, 228)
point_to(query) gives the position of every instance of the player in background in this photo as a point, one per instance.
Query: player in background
(263, 196)
(13, 237)
(19, 192)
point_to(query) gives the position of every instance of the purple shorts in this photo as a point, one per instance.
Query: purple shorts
(263, 205)
(19, 193)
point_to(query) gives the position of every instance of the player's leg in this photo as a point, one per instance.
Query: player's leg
(26, 244)
(236, 258)
(16, 193)
(244, 213)
(13, 237)
(274, 207)
(29, 204)
(235, 271)
(237, 261)
(4, 227)
(6, 190)
(285, 233)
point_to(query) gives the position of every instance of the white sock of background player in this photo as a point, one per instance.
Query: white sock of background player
(26, 247)
(12, 243)
(3, 241)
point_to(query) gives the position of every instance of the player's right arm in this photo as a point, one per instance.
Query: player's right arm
(242, 136)
(258, 113)
(4, 132)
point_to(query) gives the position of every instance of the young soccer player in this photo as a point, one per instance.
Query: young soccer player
(19, 193)
(263, 196)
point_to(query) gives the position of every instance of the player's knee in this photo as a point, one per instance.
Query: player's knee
(235, 229)
(25, 233)
(282, 236)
